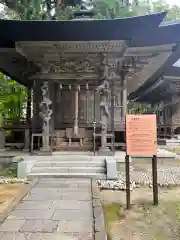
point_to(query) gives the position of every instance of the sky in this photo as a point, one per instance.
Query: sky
(173, 2)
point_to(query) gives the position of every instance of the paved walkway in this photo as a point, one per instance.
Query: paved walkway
(55, 209)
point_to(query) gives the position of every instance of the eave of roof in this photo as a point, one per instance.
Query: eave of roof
(116, 29)
(158, 73)
(173, 71)
(20, 79)
(87, 30)
(168, 76)
(164, 34)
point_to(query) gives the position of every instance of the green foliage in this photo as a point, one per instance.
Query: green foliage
(106, 9)
(39, 9)
(173, 12)
(66, 13)
(112, 211)
(136, 108)
(9, 171)
(175, 150)
(24, 9)
(12, 98)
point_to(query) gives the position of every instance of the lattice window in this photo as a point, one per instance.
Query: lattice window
(117, 100)
(177, 87)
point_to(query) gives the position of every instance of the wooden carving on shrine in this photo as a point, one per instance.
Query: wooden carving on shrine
(70, 65)
(104, 90)
(45, 113)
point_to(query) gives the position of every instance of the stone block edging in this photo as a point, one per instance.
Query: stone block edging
(17, 199)
(98, 214)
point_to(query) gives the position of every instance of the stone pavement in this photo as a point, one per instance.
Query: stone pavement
(55, 209)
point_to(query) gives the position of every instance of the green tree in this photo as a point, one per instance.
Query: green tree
(23, 9)
(37, 9)
(64, 9)
(13, 98)
(113, 9)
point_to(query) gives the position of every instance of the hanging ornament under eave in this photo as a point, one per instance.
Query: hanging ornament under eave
(78, 87)
(70, 87)
(87, 86)
(60, 86)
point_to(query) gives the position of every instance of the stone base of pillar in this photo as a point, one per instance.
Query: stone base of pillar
(105, 151)
(26, 140)
(2, 140)
(26, 150)
(46, 151)
(76, 131)
(2, 149)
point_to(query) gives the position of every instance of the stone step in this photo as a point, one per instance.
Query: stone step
(67, 175)
(73, 148)
(71, 169)
(70, 163)
(76, 153)
(66, 158)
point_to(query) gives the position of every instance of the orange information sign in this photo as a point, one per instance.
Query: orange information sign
(141, 135)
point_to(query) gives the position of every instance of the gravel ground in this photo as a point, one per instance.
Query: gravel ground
(166, 176)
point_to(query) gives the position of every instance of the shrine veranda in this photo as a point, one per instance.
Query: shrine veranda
(80, 74)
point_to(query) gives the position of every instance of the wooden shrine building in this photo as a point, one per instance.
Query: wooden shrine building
(79, 73)
(161, 90)
(164, 97)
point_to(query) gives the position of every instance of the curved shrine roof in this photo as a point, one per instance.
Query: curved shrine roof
(152, 93)
(143, 31)
(82, 30)
(165, 34)
(173, 72)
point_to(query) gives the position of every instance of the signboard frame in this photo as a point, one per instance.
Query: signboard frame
(150, 150)
(141, 135)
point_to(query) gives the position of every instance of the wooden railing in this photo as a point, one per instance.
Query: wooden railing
(36, 141)
(15, 124)
(166, 130)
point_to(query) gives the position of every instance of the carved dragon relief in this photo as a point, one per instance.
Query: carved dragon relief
(69, 66)
(46, 113)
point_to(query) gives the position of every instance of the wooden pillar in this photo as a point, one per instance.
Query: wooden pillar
(94, 106)
(27, 139)
(104, 90)
(2, 133)
(76, 109)
(124, 99)
(112, 116)
(51, 89)
(36, 119)
(46, 113)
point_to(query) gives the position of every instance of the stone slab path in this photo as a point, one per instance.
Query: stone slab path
(55, 209)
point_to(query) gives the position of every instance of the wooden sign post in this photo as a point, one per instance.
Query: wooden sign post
(141, 141)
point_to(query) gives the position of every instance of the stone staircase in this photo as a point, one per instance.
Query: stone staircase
(77, 166)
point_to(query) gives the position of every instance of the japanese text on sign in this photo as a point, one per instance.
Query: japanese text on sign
(141, 135)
